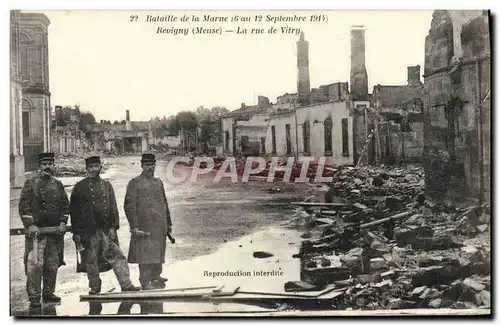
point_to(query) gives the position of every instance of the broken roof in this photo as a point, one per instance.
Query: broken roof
(135, 125)
(140, 125)
(247, 110)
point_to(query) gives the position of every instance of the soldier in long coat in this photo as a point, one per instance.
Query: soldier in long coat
(43, 203)
(94, 217)
(148, 214)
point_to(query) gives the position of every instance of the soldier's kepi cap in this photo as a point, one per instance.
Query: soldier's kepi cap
(47, 156)
(92, 160)
(148, 158)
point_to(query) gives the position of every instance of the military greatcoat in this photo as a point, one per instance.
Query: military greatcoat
(146, 208)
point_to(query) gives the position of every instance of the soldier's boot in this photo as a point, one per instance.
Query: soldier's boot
(156, 270)
(161, 279)
(158, 284)
(51, 298)
(131, 288)
(35, 303)
(146, 285)
(95, 290)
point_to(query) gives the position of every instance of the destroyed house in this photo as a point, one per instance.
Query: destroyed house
(244, 129)
(318, 130)
(457, 79)
(400, 121)
(128, 137)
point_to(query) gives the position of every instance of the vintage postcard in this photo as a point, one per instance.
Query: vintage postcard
(250, 163)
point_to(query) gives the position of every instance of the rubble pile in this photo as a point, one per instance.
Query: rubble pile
(378, 185)
(400, 253)
(73, 166)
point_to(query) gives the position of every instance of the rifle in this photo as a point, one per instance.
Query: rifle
(42, 231)
(53, 229)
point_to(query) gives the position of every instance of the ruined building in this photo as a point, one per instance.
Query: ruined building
(457, 106)
(399, 109)
(388, 124)
(130, 137)
(244, 129)
(362, 115)
(68, 139)
(315, 123)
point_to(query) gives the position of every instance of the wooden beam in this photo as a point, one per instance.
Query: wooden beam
(383, 220)
(197, 292)
(320, 204)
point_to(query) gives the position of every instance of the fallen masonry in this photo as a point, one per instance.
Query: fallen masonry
(74, 165)
(383, 245)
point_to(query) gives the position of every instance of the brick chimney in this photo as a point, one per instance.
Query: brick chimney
(303, 82)
(127, 121)
(359, 76)
(414, 76)
(262, 101)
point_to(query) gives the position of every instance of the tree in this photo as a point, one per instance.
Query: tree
(208, 120)
(186, 121)
(211, 125)
(86, 120)
(63, 116)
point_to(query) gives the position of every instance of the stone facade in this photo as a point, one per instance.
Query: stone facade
(277, 142)
(307, 130)
(17, 167)
(34, 73)
(340, 126)
(457, 106)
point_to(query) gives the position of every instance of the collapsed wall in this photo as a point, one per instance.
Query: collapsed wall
(457, 109)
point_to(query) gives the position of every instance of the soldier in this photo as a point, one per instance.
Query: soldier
(43, 203)
(147, 211)
(94, 217)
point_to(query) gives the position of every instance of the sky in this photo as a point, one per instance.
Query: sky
(109, 62)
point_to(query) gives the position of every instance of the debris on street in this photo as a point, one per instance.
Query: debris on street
(73, 165)
(378, 238)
